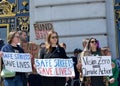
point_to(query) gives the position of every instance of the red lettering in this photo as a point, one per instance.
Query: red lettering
(63, 71)
(69, 71)
(45, 71)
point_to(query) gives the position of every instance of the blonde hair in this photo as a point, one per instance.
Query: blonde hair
(48, 43)
(11, 36)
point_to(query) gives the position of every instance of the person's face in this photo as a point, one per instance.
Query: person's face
(23, 36)
(16, 39)
(93, 43)
(108, 53)
(53, 38)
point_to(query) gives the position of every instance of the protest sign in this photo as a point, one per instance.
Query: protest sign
(55, 67)
(42, 29)
(18, 62)
(96, 66)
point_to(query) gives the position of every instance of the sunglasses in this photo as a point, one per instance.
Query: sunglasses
(53, 37)
(17, 36)
(93, 42)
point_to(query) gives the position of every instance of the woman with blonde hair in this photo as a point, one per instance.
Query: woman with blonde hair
(53, 50)
(12, 46)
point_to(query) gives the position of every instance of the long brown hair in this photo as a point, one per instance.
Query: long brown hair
(89, 47)
(48, 43)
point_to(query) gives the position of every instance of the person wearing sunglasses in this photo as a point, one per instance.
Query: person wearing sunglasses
(93, 47)
(12, 46)
(53, 50)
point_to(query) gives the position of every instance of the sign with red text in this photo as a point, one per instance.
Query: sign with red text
(42, 29)
(18, 62)
(55, 67)
(96, 66)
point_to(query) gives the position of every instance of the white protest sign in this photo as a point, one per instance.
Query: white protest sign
(55, 67)
(18, 62)
(96, 66)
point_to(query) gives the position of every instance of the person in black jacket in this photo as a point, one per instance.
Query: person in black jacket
(53, 50)
(75, 80)
(12, 46)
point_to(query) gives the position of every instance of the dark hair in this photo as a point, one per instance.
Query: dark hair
(1, 41)
(42, 44)
(63, 44)
(21, 31)
(105, 50)
(77, 50)
(96, 41)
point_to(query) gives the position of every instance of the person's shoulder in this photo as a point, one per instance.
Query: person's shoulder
(61, 48)
(6, 45)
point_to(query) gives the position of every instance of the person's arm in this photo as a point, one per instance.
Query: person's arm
(79, 64)
(1, 53)
(115, 73)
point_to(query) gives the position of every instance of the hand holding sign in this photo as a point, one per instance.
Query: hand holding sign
(79, 67)
(55, 67)
(18, 62)
(96, 66)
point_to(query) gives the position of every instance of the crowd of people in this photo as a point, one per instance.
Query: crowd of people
(52, 49)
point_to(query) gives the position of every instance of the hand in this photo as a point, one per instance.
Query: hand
(34, 66)
(79, 66)
(1, 53)
(112, 80)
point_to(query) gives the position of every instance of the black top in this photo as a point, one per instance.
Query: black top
(76, 71)
(97, 80)
(57, 52)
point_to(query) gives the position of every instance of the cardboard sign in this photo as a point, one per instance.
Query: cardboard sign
(96, 66)
(42, 29)
(55, 67)
(17, 62)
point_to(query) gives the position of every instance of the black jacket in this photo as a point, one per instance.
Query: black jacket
(57, 52)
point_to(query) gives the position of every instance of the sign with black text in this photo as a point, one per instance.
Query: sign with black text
(96, 66)
(18, 62)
